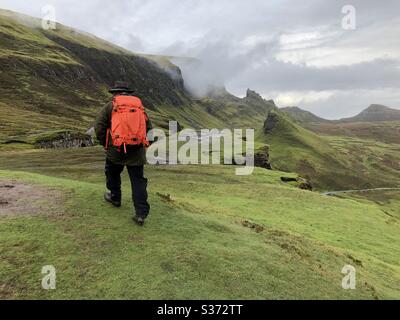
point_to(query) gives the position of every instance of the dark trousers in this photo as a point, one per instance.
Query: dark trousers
(138, 184)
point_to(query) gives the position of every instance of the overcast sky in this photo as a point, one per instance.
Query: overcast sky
(296, 52)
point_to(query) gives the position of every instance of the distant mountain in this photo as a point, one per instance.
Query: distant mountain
(302, 116)
(377, 122)
(374, 113)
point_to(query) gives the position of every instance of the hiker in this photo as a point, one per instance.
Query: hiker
(121, 128)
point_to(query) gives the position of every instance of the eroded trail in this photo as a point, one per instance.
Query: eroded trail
(18, 198)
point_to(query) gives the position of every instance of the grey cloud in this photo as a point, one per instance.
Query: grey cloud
(288, 77)
(218, 33)
(349, 103)
(259, 69)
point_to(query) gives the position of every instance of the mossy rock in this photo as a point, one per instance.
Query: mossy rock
(63, 139)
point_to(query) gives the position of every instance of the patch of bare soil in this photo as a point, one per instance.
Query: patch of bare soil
(6, 291)
(253, 226)
(21, 199)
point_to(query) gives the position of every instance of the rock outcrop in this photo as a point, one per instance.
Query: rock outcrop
(261, 158)
(65, 140)
(253, 95)
(299, 182)
(271, 122)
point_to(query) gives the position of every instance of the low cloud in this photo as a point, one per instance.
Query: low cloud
(282, 49)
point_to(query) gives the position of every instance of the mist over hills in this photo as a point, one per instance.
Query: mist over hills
(57, 80)
(64, 74)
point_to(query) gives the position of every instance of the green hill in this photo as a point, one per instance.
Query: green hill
(58, 80)
(329, 161)
(211, 235)
(382, 131)
(377, 123)
(302, 116)
(375, 113)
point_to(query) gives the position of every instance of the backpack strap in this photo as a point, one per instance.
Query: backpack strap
(107, 138)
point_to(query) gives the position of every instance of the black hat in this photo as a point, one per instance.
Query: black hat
(120, 86)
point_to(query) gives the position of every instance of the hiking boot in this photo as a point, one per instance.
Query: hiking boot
(109, 198)
(139, 220)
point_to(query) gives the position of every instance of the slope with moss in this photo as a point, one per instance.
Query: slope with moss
(329, 161)
(63, 75)
(58, 80)
(210, 235)
(383, 131)
(377, 122)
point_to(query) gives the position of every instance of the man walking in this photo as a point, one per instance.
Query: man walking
(121, 128)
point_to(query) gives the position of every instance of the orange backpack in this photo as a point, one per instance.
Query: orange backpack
(128, 122)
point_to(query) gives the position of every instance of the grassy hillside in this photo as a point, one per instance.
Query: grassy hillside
(330, 161)
(216, 235)
(377, 122)
(58, 80)
(211, 234)
(384, 131)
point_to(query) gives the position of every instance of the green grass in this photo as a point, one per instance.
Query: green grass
(385, 131)
(195, 245)
(332, 162)
(198, 242)
(57, 80)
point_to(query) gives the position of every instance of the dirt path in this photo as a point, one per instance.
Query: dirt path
(19, 199)
(332, 193)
